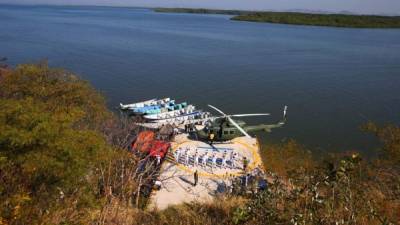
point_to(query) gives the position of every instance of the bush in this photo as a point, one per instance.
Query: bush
(49, 143)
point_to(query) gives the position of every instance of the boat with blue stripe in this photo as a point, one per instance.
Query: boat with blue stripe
(196, 115)
(157, 109)
(170, 114)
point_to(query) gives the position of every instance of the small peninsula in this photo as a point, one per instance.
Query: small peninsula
(299, 18)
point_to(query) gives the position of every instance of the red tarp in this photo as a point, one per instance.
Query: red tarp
(159, 148)
(143, 141)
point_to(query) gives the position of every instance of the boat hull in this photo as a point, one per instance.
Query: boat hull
(170, 114)
(150, 102)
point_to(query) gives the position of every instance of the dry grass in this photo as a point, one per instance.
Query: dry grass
(219, 211)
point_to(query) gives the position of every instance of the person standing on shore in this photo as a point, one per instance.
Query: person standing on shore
(196, 159)
(196, 178)
(205, 159)
(158, 160)
(245, 163)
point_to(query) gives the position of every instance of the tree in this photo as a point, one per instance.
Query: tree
(58, 90)
(50, 143)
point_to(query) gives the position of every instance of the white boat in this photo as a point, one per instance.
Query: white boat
(156, 125)
(170, 114)
(150, 102)
(185, 118)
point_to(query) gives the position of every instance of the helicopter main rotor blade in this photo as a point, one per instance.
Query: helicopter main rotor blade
(253, 114)
(216, 109)
(238, 127)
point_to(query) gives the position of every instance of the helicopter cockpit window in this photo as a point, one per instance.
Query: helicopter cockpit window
(226, 132)
(232, 132)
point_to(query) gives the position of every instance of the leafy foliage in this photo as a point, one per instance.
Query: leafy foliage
(59, 90)
(48, 142)
(389, 136)
(341, 189)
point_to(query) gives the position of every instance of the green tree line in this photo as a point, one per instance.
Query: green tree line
(297, 18)
(334, 20)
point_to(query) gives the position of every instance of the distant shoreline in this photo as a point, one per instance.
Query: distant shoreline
(298, 18)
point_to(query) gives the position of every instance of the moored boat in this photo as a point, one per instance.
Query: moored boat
(157, 109)
(152, 109)
(184, 118)
(151, 102)
(170, 114)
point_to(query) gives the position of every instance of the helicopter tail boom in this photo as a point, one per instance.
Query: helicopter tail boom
(269, 127)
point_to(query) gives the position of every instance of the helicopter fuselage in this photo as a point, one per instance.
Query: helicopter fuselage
(224, 131)
(224, 128)
(221, 130)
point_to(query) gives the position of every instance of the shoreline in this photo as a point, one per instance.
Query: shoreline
(298, 18)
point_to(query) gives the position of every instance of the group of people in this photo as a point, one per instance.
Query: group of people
(189, 128)
(207, 158)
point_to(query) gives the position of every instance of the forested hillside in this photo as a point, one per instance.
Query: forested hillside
(64, 160)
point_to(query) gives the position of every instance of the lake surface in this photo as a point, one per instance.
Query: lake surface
(332, 79)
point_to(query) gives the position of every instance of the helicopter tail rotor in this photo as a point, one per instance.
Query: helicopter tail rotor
(284, 112)
(284, 115)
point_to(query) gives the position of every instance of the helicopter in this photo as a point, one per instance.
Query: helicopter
(224, 128)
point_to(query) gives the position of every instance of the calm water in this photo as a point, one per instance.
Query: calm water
(332, 79)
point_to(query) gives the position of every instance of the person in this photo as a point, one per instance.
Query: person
(211, 138)
(231, 160)
(205, 158)
(157, 185)
(246, 180)
(187, 159)
(196, 178)
(192, 128)
(214, 161)
(158, 159)
(245, 163)
(178, 154)
(224, 162)
(196, 159)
